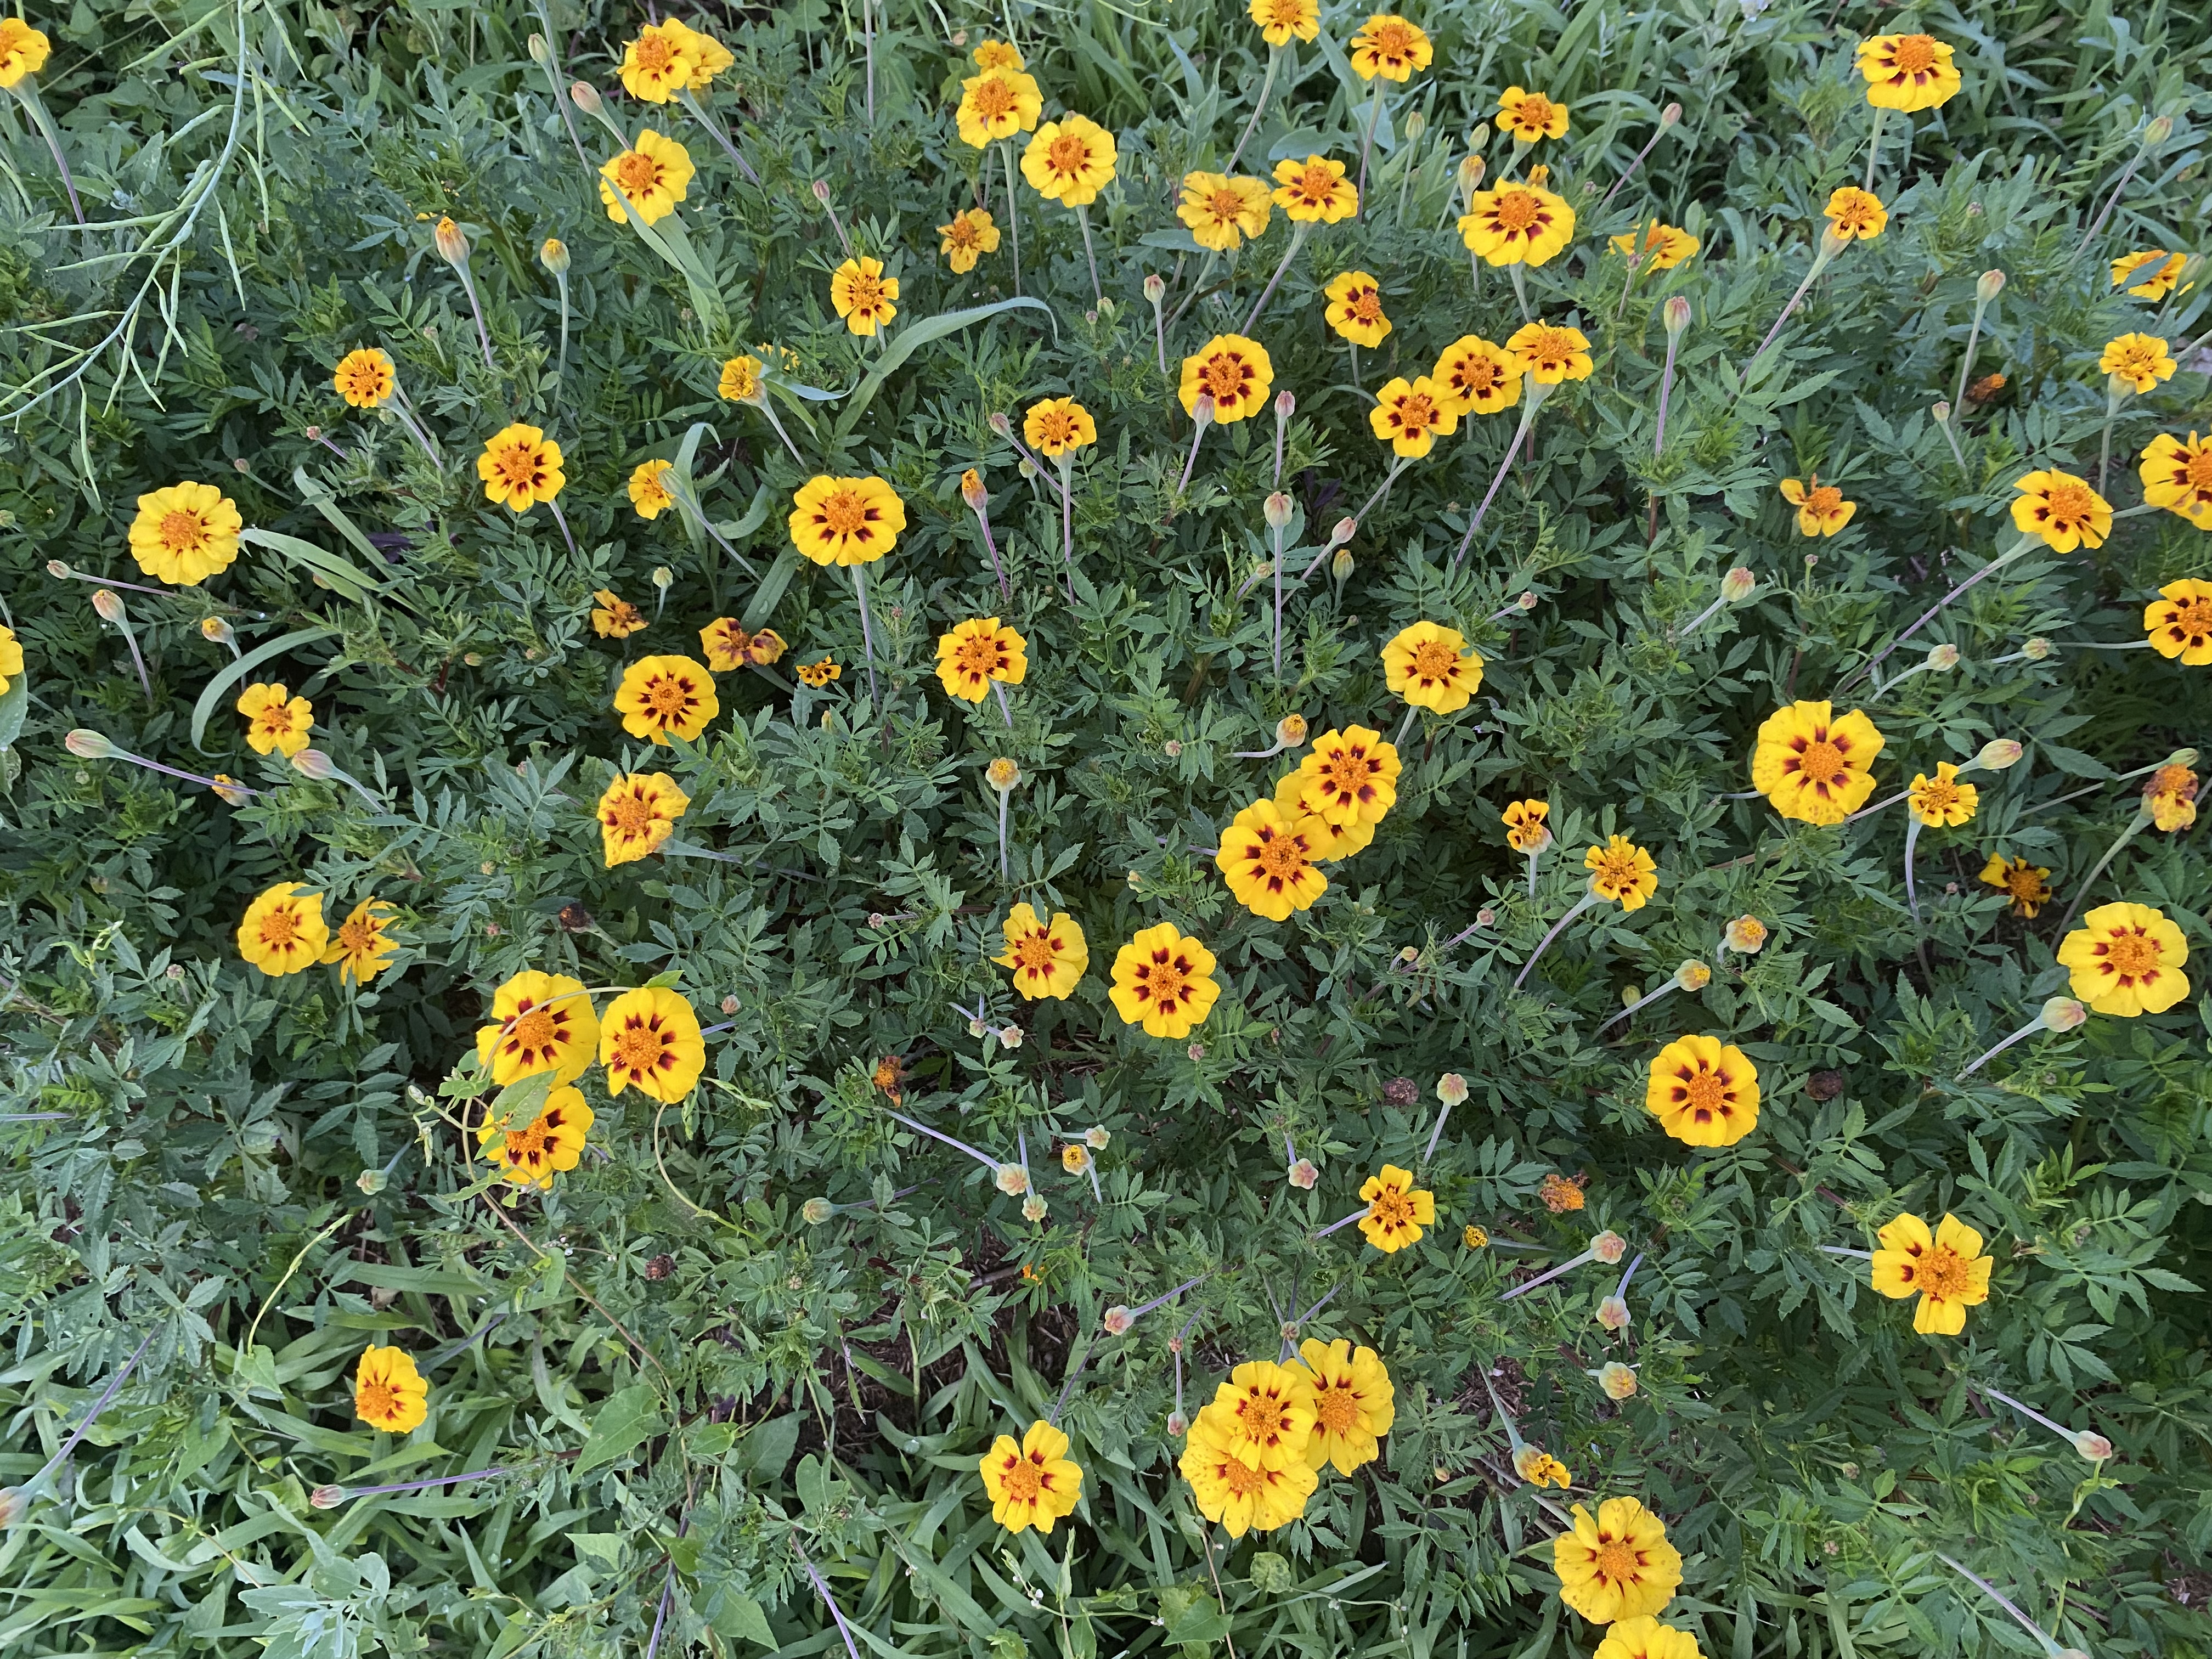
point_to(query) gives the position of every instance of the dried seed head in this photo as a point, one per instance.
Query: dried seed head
(1402, 1092)
(1010, 1035)
(660, 1266)
(1825, 1085)
(2064, 1014)
(730, 1004)
(87, 745)
(1486, 917)
(1118, 1321)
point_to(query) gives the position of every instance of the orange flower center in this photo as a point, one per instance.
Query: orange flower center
(1224, 203)
(2196, 471)
(1024, 1482)
(636, 173)
(1824, 501)
(1616, 1560)
(1535, 111)
(1434, 660)
(1068, 153)
(1943, 1273)
(1821, 762)
(1166, 982)
(1478, 377)
(1707, 1091)
(1616, 870)
(638, 1047)
(666, 700)
(1345, 773)
(863, 293)
(1224, 376)
(962, 232)
(2069, 503)
(1392, 39)
(846, 510)
(1240, 1477)
(2132, 955)
(1281, 857)
(357, 938)
(654, 54)
(1551, 345)
(376, 1401)
(1056, 428)
(2023, 882)
(1334, 1407)
(630, 815)
(536, 1029)
(516, 464)
(1315, 185)
(1366, 307)
(526, 1145)
(1282, 14)
(977, 654)
(995, 98)
(1937, 796)
(280, 929)
(1517, 210)
(182, 531)
(1392, 1208)
(1034, 952)
(1417, 413)
(1915, 54)
(2194, 617)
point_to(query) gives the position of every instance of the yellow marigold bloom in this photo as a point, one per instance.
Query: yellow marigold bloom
(819, 674)
(1704, 1092)
(1907, 71)
(1355, 309)
(862, 295)
(1164, 982)
(552, 1143)
(2178, 477)
(996, 104)
(1942, 801)
(365, 378)
(2179, 620)
(2141, 360)
(1315, 191)
(846, 520)
(729, 646)
(275, 720)
(741, 379)
(23, 50)
(1946, 1270)
(1813, 767)
(1059, 426)
(1264, 1414)
(1540, 1468)
(1530, 115)
(1664, 247)
(996, 54)
(1387, 45)
(1069, 161)
(2169, 797)
(661, 697)
(1474, 1238)
(1075, 1158)
(1034, 1484)
(11, 657)
(2126, 960)
(648, 488)
(364, 946)
(1474, 377)
(1271, 860)
(650, 1039)
(1622, 872)
(1396, 1209)
(1409, 416)
(977, 651)
(2025, 882)
(388, 1392)
(637, 813)
(969, 236)
(654, 177)
(1618, 1565)
(658, 63)
(1278, 20)
(186, 533)
(709, 56)
(1551, 352)
(1746, 934)
(1295, 795)
(1048, 958)
(1353, 1403)
(1430, 666)
(1645, 1637)
(282, 931)
(1235, 371)
(2160, 272)
(1525, 828)
(520, 466)
(1855, 215)
(1521, 224)
(615, 618)
(1560, 1195)
(1821, 508)
(1351, 776)
(2062, 509)
(1222, 211)
(1241, 1498)
(540, 1023)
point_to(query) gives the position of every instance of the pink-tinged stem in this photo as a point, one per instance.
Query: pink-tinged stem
(868, 632)
(1666, 389)
(1568, 1266)
(1535, 395)
(1558, 927)
(1335, 1226)
(1201, 418)
(1629, 171)
(85, 1423)
(1930, 614)
(990, 1163)
(822, 1590)
(1067, 520)
(990, 546)
(1297, 240)
(561, 518)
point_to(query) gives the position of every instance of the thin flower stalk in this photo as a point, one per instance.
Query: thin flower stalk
(326, 1498)
(822, 1590)
(1912, 827)
(1298, 233)
(1934, 609)
(867, 631)
(1006, 709)
(2081, 890)
(1338, 1226)
(1559, 926)
(1546, 1277)
(1941, 414)
(405, 411)
(1014, 218)
(983, 1159)
(26, 93)
(2116, 393)
(982, 510)
(1846, 1250)
(689, 100)
(2060, 1014)
(1089, 254)
(1986, 290)
(1398, 464)
(1065, 463)
(109, 605)
(561, 518)
(2092, 1445)
(2155, 133)
(84, 1424)
(92, 746)
(690, 503)
(1520, 291)
(315, 764)
(2051, 1648)
(1202, 414)
(1118, 1320)
(1668, 118)
(821, 191)
(1366, 145)
(1005, 427)
(1831, 246)
(1258, 109)
(1156, 291)
(1874, 145)
(1690, 976)
(544, 50)
(1345, 531)
(62, 573)
(760, 400)
(1531, 400)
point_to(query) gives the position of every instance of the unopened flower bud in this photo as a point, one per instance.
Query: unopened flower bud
(1676, 315)
(1026, 467)
(1944, 659)
(1608, 1246)
(314, 763)
(1277, 510)
(1033, 1209)
(585, 96)
(999, 424)
(1010, 1035)
(1416, 124)
(1012, 1180)
(1451, 1088)
(1694, 975)
(1178, 1425)
(1196, 1051)
(1486, 917)
(1997, 754)
(2160, 130)
(109, 603)
(1474, 1238)
(1990, 284)
(58, 571)
(329, 1497)
(1669, 116)
(1173, 747)
(1201, 411)
(977, 1028)
(553, 254)
(1107, 308)
(1738, 585)
(1471, 170)
(1345, 531)
(1290, 731)
(821, 189)
(1002, 774)
(730, 1005)
(2037, 649)
(1286, 404)
(88, 745)
(1118, 1321)
(2064, 1014)
(1302, 1174)
(453, 245)
(1098, 1138)
(1746, 935)
(816, 1210)
(1480, 137)
(1942, 413)
(1341, 566)
(2182, 758)
(972, 491)
(1613, 1313)
(2092, 1445)
(1618, 1381)
(1155, 288)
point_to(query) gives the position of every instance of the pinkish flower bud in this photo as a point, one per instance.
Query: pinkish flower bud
(2064, 1014)
(1098, 1138)
(1526, 601)
(1612, 1314)
(1738, 585)
(1202, 410)
(2092, 1445)
(1290, 731)
(1997, 754)
(1033, 1209)
(821, 189)
(1010, 1035)
(1676, 315)
(1155, 288)
(1196, 1051)
(1118, 1321)
(329, 1497)
(1694, 975)
(1486, 917)
(1012, 1180)
(1944, 659)
(1941, 412)
(730, 1005)
(58, 571)
(585, 96)
(818, 1210)
(88, 745)
(1276, 510)
(1991, 284)
(1669, 116)
(314, 763)
(1608, 1246)
(1302, 1174)
(2037, 649)
(999, 424)
(1345, 531)
(109, 603)
(1616, 1379)
(1178, 1424)
(1451, 1088)
(453, 245)
(1286, 404)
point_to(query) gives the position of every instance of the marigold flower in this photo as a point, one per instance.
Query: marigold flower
(709, 56)
(2160, 270)
(2141, 360)
(1560, 1195)
(2180, 621)
(654, 177)
(1235, 371)
(1530, 115)
(388, 1392)
(1550, 352)
(1855, 215)
(2169, 797)
(531, 1154)
(1704, 1092)
(186, 533)
(1278, 20)
(969, 236)
(1315, 191)
(1946, 1270)
(819, 674)
(637, 813)
(1525, 828)
(11, 657)
(23, 50)
(977, 651)
(1296, 795)
(275, 720)
(1271, 860)
(1540, 1468)
(364, 946)
(1221, 211)
(728, 645)
(1474, 1238)
(996, 104)
(615, 618)
(1355, 309)
(1264, 1414)
(1617, 1565)
(1430, 666)
(1353, 1403)
(1516, 224)
(649, 493)
(862, 295)
(1941, 801)
(996, 54)
(1239, 1495)
(741, 379)
(1664, 247)
(2063, 510)
(1059, 426)
(1813, 767)
(365, 378)
(1907, 72)
(520, 466)
(2126, 960)
(2178, 477)
(846, 520)
(2025, 882)
(1474, 377)
(659, 63)
(1033, 1483)
(1396, 1209)
(1069, 161)
(1387, 45)
(1351, 776)
(1660, 1641)
(1612, 1314)
(282, 931)
(540, 1023)
(1163, 981)
(650, 1039)
(661, 697)
(1622, 872)
(1821, 508)
(1746, 935)
(1409, 416)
